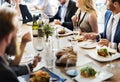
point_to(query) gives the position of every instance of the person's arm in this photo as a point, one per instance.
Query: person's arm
(26, 69)
(26, 38)
(93, 22)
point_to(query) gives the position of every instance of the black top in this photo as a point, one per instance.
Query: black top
(6, 73)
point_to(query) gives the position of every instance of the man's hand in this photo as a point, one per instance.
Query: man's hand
(103, 42)
(36, 60)
(26, 38)
(57, 22)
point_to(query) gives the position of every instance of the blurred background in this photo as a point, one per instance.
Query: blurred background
(99, 5)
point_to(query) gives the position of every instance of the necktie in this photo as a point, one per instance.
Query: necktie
(110, 29)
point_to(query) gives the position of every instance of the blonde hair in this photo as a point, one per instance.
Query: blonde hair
(88, 6)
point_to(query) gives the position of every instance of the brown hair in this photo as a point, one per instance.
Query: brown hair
(7, 16)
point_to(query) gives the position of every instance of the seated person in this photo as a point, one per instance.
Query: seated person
(7, 31)
(85, 17)
(14, 64)
(112, 27)
(64, 14)
(21, 10)
(44, 6)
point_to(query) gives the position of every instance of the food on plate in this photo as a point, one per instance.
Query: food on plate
(40, 76)
(64, 58)
(62, 31)
(112, 51)
(103, 51)
(65, 54)
(80, 38)
(87, 72)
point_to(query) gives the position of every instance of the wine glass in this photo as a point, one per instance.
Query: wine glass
(38, 43)
(98, 37)
(76, 31)
(70, 64)
(112, 46)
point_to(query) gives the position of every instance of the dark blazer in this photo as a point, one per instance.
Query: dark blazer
(21, 69)
(71, 9)
(117, 33)
(26, 15)
(6, 73)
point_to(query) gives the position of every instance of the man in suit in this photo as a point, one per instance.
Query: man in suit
(112, 23)
(7, 31)
(64, 13)
(26, 15)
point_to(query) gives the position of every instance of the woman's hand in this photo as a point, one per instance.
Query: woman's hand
(74, 19)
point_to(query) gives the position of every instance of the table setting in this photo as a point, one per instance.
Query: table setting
(86, 56)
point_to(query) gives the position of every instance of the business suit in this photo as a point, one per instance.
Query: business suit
(117, 32)
(26, 15)
(21, 69)
(71, 9)
(6, 73)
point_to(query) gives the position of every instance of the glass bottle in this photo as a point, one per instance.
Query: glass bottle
(35, 27)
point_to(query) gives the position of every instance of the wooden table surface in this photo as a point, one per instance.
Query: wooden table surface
(82, 59)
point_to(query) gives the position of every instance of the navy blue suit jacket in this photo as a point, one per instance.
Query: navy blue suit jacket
(26, 15)
(117, 32)
(71, 9)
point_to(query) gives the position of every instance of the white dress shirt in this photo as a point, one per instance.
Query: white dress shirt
(64, 10)
(114, 26)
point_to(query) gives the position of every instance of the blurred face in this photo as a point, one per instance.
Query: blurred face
(110, 5)
(11, 49)
(79, 3)
(62, 2)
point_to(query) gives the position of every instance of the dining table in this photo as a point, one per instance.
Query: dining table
(83, 58)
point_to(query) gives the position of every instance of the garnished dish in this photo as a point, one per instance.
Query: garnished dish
(62, 31)
(87, 72)
(104, 54)
(91, 72)
(64, 54)
(40, 76)
(103, 51)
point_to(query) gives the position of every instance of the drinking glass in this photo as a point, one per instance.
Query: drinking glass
(111, 45)
(70, 63)
(38, 43)
(76, 31)
(98, 37)
(70, 67)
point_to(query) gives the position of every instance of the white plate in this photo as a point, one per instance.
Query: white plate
(29, 23)
(67, 32)
(88, 44)
(95, 56)
(100, 76)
